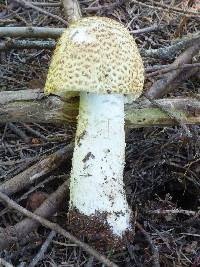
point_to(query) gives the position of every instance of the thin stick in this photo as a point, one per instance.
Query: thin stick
(168, 8)
(153, 248)
(171, 67)
(39, 169)
(72, 10)
(29, 5)
(31, 32)
(36, 133)
(174, 211)
(169, 52)
(172, 115)
(147, 29)
(19, 132)
(23, 44)
(12, 234)
(164, 85)
(39, 256)
(55, 227)
(46, 4)
(33, 106)
(54, 33)
(4, 263)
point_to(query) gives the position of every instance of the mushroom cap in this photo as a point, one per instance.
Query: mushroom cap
(98, 55)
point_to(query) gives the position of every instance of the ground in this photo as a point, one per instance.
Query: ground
(162, 163)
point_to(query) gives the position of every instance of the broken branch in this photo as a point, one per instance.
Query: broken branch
(72, 10)
(31, 32)
(13, 234)
(169, 52)
(35, 217)
(23, 44)
(29, 5)
(166, 53)
(39, 169)
(34, 106)
(42, 250)
(164, 85)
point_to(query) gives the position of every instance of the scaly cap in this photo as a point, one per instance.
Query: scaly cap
(96, 54)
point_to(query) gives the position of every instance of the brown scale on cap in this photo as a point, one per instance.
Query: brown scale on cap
(96, 54)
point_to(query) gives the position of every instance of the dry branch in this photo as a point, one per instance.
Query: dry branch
(4, 263)
(169, 52)
(23, 44)
(54, 33)
(72, 10)
(42, 250)
(38, 170)
(167, 68)
(166, 84)
(160, 6)
(37, 219)
(13, 234)
(166, 53)
(34, 106)
(153, 248)
(30, 32)
(174, 212)
(27, 4)
(29, 105)
(46, 4)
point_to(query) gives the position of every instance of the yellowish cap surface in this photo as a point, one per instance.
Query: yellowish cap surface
(98, 55)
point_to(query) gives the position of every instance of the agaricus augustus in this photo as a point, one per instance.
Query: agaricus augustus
(97, 59)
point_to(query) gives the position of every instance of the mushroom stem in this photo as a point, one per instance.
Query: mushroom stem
(96, 185)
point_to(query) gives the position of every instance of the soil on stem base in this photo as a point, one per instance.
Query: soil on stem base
(95, 230)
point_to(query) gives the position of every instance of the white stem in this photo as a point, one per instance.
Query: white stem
(98, 161)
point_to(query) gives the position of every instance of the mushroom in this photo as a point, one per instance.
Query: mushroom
(97, 59)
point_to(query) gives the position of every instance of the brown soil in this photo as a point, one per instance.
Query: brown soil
(97, 232)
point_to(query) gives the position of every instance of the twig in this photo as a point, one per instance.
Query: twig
(163, 86)
(168, 8)
(42, 250)
(154, 250)
(4, 263)
(36, 133)
(13, 234)
(29, 5)
(102, 7)
(41, 168)
(55, 227)
(174, 211)
(31, 32)
(90, 262)
(72, 10)
(46, 4)
(23, 44)
(33, 106)
(172, 115)
(54, 33)
(166, 53)
(180, 10)
(19, 132)
(169, 52)
(33, 189)
(171, 67)
(184, 19)
(147, 29)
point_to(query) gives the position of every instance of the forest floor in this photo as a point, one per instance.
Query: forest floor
(162, 173)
